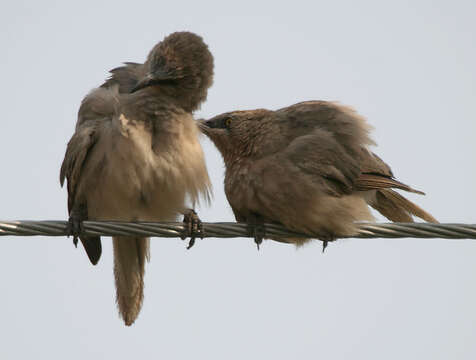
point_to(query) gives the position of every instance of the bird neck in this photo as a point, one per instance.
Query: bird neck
(189, 99)
(236, 160)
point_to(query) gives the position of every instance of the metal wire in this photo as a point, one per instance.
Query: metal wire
(232, 230)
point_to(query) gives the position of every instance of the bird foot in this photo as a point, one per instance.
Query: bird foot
(325, 241)
(193, 227)
(324, 245)
(74, 228)
(258, 232)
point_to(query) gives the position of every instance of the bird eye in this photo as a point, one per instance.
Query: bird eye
(227, 122)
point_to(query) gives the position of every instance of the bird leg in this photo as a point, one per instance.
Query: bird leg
(324, 245)
(325, 241)
(193, 227)
(75, 223)
(256, 229)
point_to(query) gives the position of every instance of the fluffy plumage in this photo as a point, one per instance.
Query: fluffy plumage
(135, 154)
(308, 167)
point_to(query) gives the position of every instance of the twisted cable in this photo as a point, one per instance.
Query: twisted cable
(231, 230)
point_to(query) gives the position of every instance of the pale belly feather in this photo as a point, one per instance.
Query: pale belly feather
(136, 183)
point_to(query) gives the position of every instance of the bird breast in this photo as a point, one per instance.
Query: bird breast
(138, 183)
(240, 186)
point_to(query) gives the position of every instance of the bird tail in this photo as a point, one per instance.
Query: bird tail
(396, 208)
(130, 254)
(92, 245)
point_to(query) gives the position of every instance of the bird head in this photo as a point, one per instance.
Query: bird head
(182, 60)
(239, 133)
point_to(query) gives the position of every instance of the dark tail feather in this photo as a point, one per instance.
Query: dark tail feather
(396, 208)
(92, 245)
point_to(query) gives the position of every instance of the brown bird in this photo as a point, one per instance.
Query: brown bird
(307, 167)
(136, 156)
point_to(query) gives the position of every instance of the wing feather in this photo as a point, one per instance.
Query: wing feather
(77, 152)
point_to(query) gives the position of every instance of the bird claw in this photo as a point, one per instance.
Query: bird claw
(257, 231)
(324, 245)
(74, 228)
(193, 227)
(325, 241)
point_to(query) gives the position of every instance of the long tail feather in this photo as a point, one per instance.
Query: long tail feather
(395, 207)
(130, 254)
(375, 182)
(389, 209)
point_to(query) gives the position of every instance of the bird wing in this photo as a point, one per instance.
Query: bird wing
(376, 174)
(319, 156)
(77, 152)
(126, 77)
(349, 128)
(373, 164)
(96, 109)
(327, 140)
(340, 137)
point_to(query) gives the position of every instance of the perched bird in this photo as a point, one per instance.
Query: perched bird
(307, 167)
(135, 154)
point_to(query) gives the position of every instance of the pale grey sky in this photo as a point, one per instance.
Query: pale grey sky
(408, 66)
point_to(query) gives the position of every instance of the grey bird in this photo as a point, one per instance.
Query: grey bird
(135, 155)
(308, 167)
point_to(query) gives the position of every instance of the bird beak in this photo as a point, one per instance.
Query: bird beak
(202, 125)
(209, 128)
(144, 82)
(155, 78)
